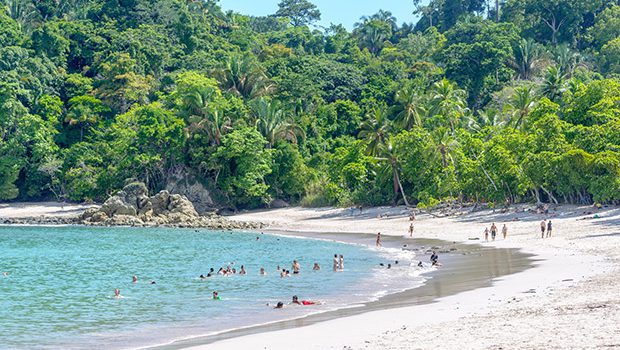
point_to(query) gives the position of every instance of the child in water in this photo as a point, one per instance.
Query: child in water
(216, 296)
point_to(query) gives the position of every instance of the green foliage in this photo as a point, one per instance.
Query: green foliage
(300, 12)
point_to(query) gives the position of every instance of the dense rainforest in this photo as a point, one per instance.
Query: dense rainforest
(496, 101)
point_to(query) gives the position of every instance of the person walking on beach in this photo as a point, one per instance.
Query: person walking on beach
(543, 226)
(336, 262)
(378, 243)
(486, 234)
(411, 230)
(504, 231)
(493, 231)
(341, 263)
(549, 228)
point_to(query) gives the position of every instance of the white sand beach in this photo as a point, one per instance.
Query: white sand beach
(20, 210)
(569, 300)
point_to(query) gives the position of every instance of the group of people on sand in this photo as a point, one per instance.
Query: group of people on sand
(545, 225)
(493, 232)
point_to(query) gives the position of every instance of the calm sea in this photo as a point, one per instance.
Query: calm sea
(60, 287)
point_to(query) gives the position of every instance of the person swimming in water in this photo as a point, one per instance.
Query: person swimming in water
(242, 272)
(420, 264)
(279, 305)
(117, 294)
(211, 271)
(316, 267)
(389, 266)
(134, 279)
(262, 271)
(303, 302)
(216, 296)
(295, 267)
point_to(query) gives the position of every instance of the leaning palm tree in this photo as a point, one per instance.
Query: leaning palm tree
(275, 122)
(244, 77)
(375, 130)
(387, 155)
(553, 83)
(529, 58)
(521, 103)
(409, 109)
(448, 102)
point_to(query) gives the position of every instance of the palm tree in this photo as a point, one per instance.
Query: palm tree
(448, 102)
(275, 122)
(213, 122)
(521, 103)
(445, 144)
(387, 154)
(566, 59)
(244, 77)
(553, 83)
(528, 59)
(485, 118)
(409, 109)
(375, 130)
(24, 13)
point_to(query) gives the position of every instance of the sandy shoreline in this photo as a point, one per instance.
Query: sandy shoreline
(570, 300)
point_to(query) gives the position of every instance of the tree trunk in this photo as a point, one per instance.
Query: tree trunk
(551, 197)
(398, 185)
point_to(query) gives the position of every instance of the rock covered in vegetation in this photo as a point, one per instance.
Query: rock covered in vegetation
(134, 207)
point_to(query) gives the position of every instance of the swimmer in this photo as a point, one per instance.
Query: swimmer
(234, 271)
(134, 279)
(420, 264)
(216, 296)
(336, 262)
(117, 294)
(278, 268)
(211, 271)
(295, 267)
(5, 273)
(341, 263)
(257, 238)
(153, 282)
(316, 267)
(202, 277)
(378, 242)
(434, 258)
(221, 271)
(242, 272)
(389, 266)
(262, 271)
(303, 302)
(280, 305)
(396, 262)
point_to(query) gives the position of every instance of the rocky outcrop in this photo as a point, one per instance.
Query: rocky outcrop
(187, 185)
(133, 207)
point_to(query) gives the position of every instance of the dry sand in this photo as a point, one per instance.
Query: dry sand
(46, 209)
(570, 300)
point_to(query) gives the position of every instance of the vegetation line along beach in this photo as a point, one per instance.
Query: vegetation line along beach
(483, 121)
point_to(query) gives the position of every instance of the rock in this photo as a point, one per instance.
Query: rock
(278, 203)
(185, 184)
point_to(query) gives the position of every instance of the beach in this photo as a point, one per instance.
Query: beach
(568, 300)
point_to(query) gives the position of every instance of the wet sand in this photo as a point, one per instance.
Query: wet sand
(464, 267)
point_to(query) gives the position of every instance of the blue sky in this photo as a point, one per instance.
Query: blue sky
(345, 12)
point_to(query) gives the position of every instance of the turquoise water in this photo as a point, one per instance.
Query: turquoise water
(60, 287)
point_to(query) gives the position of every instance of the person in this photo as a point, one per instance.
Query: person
(493, 231)
(316, 267)
(543, 226)
(153, 282)
(262, 271)
(434, 258)
(486, 234)
(504, 231)
(420, 264)
(216, 296)
(296, 267)
(412, 216)
(411, 230)
(117, 294)
(282, 273)
(303, 302)
(279, 305)
(134, 279)
(389, 266)
(234, 271)
(257, 238)
(549, 228)
(278, 268)
(202, 276)
(336, 262)
(378, 239)
(211, 272)
(242, 272)
(341, 263)
(5, 273)
(221, 271)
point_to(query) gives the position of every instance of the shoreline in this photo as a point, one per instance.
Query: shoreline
(438, 283)
(569, 283)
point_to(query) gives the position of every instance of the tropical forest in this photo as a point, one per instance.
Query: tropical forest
(495, 102)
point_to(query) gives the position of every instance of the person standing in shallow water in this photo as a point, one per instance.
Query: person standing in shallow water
(411, 230)
(341, 263)
(493, 231)
(336, 262)
(486, 234)
(549, 228)
(543, 226)
(378, 243)
(505, 231)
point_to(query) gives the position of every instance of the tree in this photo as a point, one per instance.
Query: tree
(241, 164)
(528, 59)
(300, 12)
(561, 18)
(521, 103)
(447, 103)
(606, 27)
(375, 130)
(552, 86)
(372, 33)
(410, 108)
(275, 122)
(242, 76)
(85, 111)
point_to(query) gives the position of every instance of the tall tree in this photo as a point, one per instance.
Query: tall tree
(300, 12)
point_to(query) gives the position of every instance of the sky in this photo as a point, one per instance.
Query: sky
(345, 12)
